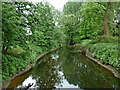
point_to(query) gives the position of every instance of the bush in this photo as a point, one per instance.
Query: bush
(11, 64)
(107, 53)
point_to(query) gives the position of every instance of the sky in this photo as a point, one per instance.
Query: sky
(58, 4)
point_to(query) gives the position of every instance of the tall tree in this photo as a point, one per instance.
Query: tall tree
(70, 20)
(91, 24)
(98, 18)
(106, 19)
(72, 7)
(110, 16)
(12, 31)
(20, 18)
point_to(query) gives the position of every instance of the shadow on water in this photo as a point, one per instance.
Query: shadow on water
(63, 69)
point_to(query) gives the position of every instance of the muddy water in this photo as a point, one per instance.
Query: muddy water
(64, 69)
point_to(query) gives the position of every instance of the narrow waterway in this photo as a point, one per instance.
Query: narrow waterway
(64, 69)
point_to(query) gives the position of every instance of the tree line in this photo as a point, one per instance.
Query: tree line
(87, 20)
(25, 22)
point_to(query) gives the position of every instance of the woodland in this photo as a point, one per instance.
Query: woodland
(30, 29)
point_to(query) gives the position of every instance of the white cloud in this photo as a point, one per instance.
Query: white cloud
(58, 4)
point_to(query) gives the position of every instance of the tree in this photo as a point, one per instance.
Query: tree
(111, 17)
(72, 8)
(105, 19)
(91, 23)
(68, 27)
(12, 31)
(70, 20)
(20, 18)
(42, 25)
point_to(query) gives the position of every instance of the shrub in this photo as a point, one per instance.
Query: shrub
(107, 53)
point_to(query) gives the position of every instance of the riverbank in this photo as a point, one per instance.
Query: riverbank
(110, 68)
(29, 66)
(60, 66)
(81, 49)
(99, 56)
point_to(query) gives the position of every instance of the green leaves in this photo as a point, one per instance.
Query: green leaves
(72, 8)
(92, 19)
(22, 17)
(14, 33)
(19, 19)
(106, 52)
(69, 21)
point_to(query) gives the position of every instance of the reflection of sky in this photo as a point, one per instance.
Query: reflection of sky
(27, 81)
(58, 4)
(61, 81)
(64, 82)
(55, 56)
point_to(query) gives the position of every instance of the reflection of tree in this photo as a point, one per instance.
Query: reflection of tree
(76, 68)
(46, 74)
(84, 73)
(19, 80)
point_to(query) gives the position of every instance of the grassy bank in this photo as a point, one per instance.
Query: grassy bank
(16, 62)
(105, 50)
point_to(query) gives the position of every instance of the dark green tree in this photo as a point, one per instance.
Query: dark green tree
(13, 32)
(69, 21)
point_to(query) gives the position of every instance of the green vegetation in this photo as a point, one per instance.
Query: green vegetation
(30, 29)
(27, 31)
(96, 29)
(104, 50)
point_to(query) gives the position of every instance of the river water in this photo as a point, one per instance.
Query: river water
(65, 69)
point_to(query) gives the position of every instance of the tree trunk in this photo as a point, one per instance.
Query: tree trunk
(106, 33)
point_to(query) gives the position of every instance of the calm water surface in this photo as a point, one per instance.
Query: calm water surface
(64, 69)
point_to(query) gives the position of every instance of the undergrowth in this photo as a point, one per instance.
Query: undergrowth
(105, 50)
(12, 64)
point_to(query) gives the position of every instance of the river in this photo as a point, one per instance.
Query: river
(65, 69)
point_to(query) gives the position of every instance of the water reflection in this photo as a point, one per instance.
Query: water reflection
(55, 56)
(29, 82)
(63, 69)
(64, 83)
(86, 74)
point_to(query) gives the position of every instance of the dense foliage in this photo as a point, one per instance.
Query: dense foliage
(105, 50)
(107, 53)
(12, 30)
(69, 22)
(91, 23)
(97, 22)
(89, 20)
(27, 31)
